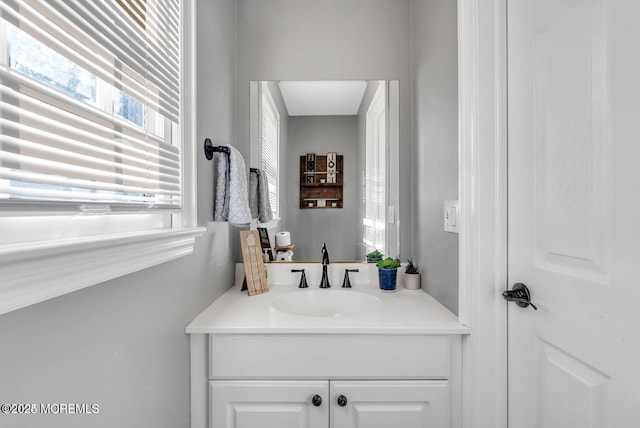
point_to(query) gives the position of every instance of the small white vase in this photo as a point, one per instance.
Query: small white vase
(412, 281)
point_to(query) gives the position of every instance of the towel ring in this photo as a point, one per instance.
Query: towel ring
(209, 149)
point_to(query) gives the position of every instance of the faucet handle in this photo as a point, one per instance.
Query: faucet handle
(303, 278)
(346, 283)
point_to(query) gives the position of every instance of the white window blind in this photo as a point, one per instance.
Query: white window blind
(90, 105)
(269, 145)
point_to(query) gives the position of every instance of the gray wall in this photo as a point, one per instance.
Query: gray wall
(328, 40)
(121, 344)
(413, 41)
(310, 228)
(435, 151)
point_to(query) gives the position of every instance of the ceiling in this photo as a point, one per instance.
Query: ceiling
(323, 98)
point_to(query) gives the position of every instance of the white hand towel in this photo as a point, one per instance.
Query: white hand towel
(232, 195)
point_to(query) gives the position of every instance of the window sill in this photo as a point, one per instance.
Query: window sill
(35, 272)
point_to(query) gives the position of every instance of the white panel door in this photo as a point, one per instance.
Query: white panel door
(574, 212)
(385, 404)
(268, 404)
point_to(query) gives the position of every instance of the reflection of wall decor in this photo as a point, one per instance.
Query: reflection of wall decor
(311, 168)
(265, 243)
(321, 187)
(331, 167)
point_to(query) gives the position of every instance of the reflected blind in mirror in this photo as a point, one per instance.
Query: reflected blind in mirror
(375, 182)
(269, 144)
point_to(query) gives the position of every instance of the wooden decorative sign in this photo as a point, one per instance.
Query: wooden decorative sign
(253, 264)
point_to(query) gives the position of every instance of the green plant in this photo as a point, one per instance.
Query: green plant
(375, 254)
(411, 268)
(388, 263)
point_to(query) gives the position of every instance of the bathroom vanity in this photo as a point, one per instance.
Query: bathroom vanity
(338, 358)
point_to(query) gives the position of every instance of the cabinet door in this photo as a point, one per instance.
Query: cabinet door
(384, 404)
(268, 404)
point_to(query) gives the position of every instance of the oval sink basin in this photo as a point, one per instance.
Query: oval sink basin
(326, 303)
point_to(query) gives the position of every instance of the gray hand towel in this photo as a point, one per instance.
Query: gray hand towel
(259, 196)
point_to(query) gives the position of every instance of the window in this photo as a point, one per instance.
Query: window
(91, 103)
(80, 130)
(269, 145)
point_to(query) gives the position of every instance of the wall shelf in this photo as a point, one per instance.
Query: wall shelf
(315, 190)
(320, 185)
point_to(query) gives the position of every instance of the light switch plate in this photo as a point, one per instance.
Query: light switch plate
(451, 216)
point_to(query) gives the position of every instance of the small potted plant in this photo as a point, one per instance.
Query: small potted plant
(388, 273)
(411, 276)
(374, 257)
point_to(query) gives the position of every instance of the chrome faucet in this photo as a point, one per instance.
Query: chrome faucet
(324, 283)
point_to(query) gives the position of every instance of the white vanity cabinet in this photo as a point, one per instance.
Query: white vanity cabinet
(254, 364)
(325, 380)
(329, 404)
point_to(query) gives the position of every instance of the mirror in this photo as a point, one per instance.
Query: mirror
(358, 120)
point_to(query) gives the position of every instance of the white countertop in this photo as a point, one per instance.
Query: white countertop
(401, 312)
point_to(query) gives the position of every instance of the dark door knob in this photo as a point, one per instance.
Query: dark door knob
(520, 295)
(342, 401)
(316, 400)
